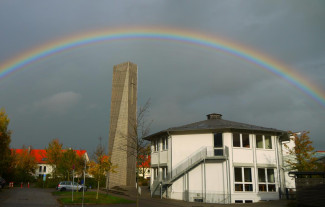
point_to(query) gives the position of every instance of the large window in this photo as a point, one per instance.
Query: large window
(263, 142)
(218, 144)
(266, 180)
(243, 179)
(240, 140)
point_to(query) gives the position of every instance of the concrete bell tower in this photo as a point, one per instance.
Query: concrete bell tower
(122, 122)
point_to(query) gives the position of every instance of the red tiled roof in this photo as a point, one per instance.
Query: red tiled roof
(41, 155)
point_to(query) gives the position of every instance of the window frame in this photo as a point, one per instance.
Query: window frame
(264, 137)
(155, 145)
(245, 182)
(218, 144)
(267, 183)
(241, 140)
(164, 143)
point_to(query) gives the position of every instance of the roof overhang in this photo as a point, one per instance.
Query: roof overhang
(282, 134)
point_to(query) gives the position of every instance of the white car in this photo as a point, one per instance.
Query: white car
(67, 185)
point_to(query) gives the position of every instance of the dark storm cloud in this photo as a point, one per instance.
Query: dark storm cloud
(67, 96)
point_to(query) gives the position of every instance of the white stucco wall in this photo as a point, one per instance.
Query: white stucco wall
(242, 155)
(265, 156)
(289, 181)
(184, 145)
(215, 180)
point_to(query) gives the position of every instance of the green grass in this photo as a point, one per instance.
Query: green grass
(90, 198)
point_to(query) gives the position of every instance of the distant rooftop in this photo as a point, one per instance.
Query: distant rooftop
(215, 122)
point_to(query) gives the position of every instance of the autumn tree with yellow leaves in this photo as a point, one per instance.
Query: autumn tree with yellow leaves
(5, 139)
(303, 153)
(101, 165)
(25, 165)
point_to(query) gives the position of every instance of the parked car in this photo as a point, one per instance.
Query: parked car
(2, 183)
(67, 185)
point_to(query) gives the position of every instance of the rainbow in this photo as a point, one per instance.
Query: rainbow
(245, 53)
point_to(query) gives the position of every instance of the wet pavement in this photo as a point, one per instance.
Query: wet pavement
(39, 197)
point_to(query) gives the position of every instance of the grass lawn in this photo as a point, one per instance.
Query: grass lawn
(90, 198)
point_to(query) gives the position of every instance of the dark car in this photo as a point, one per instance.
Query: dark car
(2, 183)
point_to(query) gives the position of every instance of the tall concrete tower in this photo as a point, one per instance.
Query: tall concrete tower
(122, 121)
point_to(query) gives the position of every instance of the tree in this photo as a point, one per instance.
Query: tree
(139, 129)
(5, 139)
(303, 153)
(69, 161)
(101, 165)
(143, 161)
(54, 155)
(25, 164)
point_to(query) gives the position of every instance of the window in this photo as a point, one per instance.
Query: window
(164, 173)
(155, 173)
(263, 142)
(165, 143)
(44, 169)
(243, 179)
(259, 141)
(236, 139)
(155, 145)
(240, 140)
(40, 168)
(268, 142)
(266, 180)
(218, 140)
(218, 144)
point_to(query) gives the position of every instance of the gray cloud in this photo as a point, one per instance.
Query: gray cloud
(58, 103)
(67, 96)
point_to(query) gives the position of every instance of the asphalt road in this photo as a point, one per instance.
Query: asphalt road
(27, 197)
(38, 197)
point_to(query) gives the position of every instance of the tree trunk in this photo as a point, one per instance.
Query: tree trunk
(97, 189)
(137, 192)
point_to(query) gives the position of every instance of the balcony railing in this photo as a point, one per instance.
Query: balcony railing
(193, 160)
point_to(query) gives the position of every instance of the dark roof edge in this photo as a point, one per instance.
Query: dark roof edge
(284, 136)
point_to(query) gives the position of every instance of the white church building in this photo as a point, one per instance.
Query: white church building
(217, 161)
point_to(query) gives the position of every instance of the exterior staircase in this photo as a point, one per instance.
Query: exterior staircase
(199, 156)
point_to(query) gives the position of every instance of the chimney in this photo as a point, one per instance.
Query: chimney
(214, 116)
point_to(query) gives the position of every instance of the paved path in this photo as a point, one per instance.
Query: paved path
(27, 197)
(38, 197)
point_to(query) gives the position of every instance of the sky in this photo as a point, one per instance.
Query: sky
(67, 95)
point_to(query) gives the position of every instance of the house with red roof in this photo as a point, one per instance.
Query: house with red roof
(43, 167)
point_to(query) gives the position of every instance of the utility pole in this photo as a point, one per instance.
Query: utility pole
(84, 185)
(72, 181)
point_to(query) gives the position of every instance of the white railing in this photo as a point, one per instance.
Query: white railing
(196, 157)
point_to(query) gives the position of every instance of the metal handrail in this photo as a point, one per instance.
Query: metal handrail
(195, 158)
